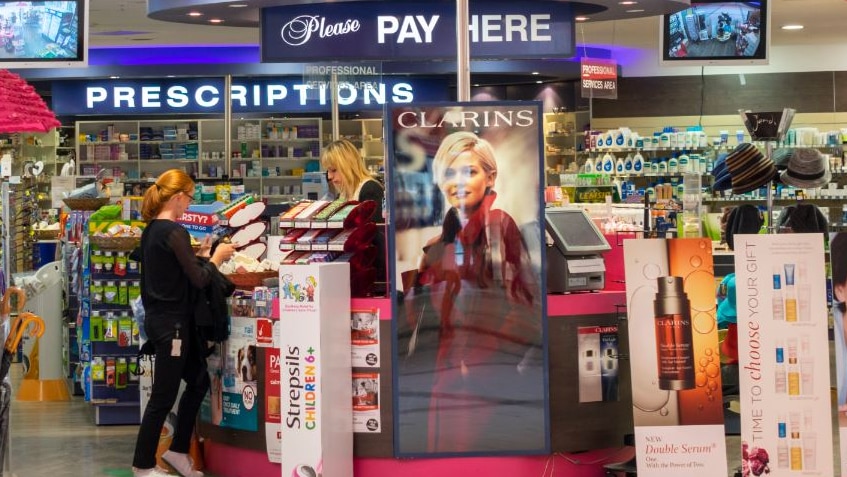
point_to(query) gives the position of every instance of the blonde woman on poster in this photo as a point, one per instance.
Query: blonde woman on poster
(478, 276)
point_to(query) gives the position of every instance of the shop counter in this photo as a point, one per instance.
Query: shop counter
(598, 436)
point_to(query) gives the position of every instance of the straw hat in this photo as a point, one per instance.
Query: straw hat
(806, 169)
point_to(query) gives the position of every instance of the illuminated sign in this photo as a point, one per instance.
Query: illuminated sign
(402, 31)
(254, 95)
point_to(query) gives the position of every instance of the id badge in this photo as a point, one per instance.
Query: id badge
(176, 347)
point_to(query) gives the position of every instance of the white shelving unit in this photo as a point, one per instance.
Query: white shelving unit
(269, 154)
(366, 134)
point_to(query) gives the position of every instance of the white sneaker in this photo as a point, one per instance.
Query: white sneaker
(154, 472)
(182, 463)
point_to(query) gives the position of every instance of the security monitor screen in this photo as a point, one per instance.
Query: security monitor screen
(711, 30)
(40, 31)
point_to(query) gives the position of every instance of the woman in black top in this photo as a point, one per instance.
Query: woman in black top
(170, 274)
(348, 176)
(350, 180)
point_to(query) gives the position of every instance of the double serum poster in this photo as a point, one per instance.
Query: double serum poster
(676, 381)
(783, 352)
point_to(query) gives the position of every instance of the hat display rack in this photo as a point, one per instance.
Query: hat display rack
(768, 127)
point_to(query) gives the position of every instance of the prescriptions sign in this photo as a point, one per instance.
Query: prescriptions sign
(421, 30)
(253, 95)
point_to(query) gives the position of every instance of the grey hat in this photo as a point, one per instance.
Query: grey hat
(806, 169)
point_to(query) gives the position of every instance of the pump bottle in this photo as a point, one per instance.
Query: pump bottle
(674, 341)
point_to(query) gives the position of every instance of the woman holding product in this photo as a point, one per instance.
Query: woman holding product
(171, 276)
(478, 275)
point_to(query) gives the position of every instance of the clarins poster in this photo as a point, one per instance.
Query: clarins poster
(783, 352)
(676, 380)
(838, 267)
(466, 217)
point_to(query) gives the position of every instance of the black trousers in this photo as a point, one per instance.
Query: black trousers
(189, 366)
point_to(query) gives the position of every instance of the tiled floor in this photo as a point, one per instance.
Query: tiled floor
(61, 440)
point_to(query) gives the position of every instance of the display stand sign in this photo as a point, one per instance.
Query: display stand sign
(599, 78)
(598, 363)
(676, 381)
(783, 352)
(315, 371)
(466, 209)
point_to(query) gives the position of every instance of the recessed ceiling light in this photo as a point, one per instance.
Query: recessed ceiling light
(476, 85)
(792, 27)
(627, 2)
(636, 10)
(539, 81)
(195, 14)
(114, 77)
(535, 72)
(237, 5)
(581, 19)
(215, 20)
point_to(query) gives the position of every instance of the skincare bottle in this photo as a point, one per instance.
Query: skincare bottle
(807, 367)
(804, 294)
(810, 444)
(589, 165)
(683, 163)
(790, 299)
(795, 446)
(673, 165)
(638, 164)
(627, 164)
(674, 342)
(780, 379)
(619, 167)
(793, 369)
(609, 139)
(589, 360)
(778, 303)
(782, 444)
(607, 166)
(663, 166)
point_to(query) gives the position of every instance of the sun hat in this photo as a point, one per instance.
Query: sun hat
(781, 157)
(806, 169)
(721, 174)
(743, 219)
(749, 169)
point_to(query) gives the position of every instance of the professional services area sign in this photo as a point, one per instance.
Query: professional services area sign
(415, 30)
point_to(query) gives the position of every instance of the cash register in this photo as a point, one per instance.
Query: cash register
(574, 252)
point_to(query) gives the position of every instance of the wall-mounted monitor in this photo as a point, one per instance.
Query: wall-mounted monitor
(573, 232)
(713, 32)
(43, 34)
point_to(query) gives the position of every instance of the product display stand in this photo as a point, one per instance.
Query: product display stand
(315, 356)
(770, 128)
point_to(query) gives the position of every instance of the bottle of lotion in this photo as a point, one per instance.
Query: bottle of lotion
(638, 164)
(607, 166)
(627, 168)
(589, 166)
(674, 338)
(620, 167)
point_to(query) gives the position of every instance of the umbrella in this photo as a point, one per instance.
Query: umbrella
(21, 107)
(17, 327)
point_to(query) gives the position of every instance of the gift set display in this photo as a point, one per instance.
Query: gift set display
(328, 231)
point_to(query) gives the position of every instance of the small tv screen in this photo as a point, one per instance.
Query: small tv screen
(42, 34)
(713, 32)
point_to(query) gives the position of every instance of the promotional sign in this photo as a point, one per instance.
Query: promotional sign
(273, 406)
(366, 402)
(598, 363)
(364, 336)
(249, 95)
(317, 419)
(783, 352)
(467, 215)
(599, 78)
(677, 402)
(414, 30)
(239, 377)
